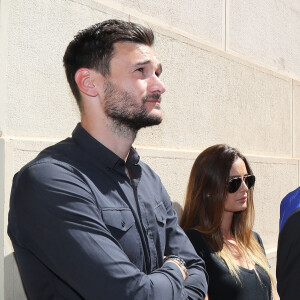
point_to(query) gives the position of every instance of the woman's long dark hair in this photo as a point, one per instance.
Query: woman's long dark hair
(205, 202)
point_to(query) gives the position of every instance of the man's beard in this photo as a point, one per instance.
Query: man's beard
(127, 113)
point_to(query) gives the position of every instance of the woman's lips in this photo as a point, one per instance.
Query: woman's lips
(243, 199)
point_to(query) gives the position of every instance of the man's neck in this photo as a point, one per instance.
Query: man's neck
(117, 139)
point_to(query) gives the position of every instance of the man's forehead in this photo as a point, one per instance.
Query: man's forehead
(134, 52)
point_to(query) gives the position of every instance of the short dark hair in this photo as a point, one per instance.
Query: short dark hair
(93, 47)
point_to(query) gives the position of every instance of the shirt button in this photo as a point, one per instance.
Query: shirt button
(122, 164)
(123, 223)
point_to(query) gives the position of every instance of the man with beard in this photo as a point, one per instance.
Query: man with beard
(88, 219)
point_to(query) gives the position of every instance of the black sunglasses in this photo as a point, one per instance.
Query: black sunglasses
(235, 183)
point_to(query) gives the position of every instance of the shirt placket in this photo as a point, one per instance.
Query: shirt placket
(146, 221)
(129, 189)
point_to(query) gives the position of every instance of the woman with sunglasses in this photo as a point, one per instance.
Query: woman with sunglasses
(218, 218)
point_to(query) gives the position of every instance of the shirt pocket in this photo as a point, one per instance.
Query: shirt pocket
(121, 219)
(121, 224)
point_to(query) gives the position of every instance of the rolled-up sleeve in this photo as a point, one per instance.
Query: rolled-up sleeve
(54, 215)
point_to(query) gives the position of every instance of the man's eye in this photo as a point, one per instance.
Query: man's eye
(140, 70)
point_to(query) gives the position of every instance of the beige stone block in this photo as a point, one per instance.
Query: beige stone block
(202, 19)
(174, 168)
(214, 98)
(296, 118)
(3, 62)
(275, 178)
(267, 32)
(38, 100)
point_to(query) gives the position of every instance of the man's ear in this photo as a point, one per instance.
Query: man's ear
(84, 80)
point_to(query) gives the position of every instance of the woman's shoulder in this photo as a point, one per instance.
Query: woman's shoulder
(198, 241)
(257, 237)
(194, 234)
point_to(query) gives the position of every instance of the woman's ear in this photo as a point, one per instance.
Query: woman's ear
(84, 80)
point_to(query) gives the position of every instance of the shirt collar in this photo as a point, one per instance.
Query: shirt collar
(98, 153)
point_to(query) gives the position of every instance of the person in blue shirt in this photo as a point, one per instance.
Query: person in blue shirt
(289, 204)
(88, 219)
(288, 252)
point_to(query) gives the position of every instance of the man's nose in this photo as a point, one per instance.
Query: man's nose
(156, 85)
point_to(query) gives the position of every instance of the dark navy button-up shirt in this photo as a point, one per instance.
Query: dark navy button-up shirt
(82, 229)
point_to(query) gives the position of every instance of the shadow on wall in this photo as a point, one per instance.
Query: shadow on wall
(178, 208)
(13, 287)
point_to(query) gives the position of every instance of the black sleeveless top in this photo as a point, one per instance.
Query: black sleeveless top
(222, 285)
